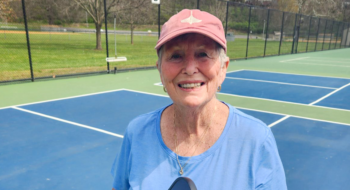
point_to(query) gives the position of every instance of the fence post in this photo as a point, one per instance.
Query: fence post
(250, 12)
(106, 30)
(324, 33)
(329, 47)
(347, 34)
(197, 4)
(279, 49)
(295, 25)
(338, 36)
(226, 18)
(158, 20)
(318, 30)
(28, 42)
(267, 29)
(308, 35)
(298, 34)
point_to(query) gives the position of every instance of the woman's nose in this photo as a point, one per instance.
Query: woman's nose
(191, 66)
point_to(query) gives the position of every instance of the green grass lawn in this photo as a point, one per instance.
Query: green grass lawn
(68, 53)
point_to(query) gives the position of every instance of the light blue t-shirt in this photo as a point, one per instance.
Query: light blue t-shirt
(244, 157)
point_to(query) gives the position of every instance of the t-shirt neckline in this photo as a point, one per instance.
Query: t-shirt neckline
(205, 154)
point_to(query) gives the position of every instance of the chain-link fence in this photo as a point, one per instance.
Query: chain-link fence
(68, 42)
(259, 32)
(13, 49)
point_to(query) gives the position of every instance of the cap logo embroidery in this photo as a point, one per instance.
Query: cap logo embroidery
(191, 19)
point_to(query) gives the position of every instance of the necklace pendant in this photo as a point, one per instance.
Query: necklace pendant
(181, 172)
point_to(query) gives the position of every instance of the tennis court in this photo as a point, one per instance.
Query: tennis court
(64, 134)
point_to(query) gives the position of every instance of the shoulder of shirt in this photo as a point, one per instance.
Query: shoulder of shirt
(249, 123)
(142, 121)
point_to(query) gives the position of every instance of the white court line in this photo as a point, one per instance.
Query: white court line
(279, 121)
(235, 71)
(279, 82)
(218, 93)
(348, 124)
(146, 93)
(296, 116)
(70, 97)
(260, 110)
(298, 74)
(328, 94)
(318, 64)
(294, 59)
(340, 109)
(159, 84)
(330, 59)
(69, 122)
(315, 60)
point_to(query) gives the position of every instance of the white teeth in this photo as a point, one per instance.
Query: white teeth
(190, 85)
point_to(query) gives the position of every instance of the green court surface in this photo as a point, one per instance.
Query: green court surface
(333, 63)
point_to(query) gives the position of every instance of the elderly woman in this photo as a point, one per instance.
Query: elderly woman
(197, 136)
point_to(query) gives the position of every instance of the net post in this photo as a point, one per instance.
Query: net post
(250, 12)
(106, 30)
(267, 29)
(308, 35)
(281, 37)
(294, 38)
(324, 33)
(28, 41)
(330, 42)
(226, 18)
(318, 30)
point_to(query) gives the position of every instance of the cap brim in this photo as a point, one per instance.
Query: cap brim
(175, 34)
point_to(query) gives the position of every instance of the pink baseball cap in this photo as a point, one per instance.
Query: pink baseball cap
(192, 21)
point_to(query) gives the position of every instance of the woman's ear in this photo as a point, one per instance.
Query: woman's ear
(224, 70)
(158, 66)
(227, 62)
(160, 73)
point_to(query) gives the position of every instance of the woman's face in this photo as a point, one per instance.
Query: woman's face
(190, 69)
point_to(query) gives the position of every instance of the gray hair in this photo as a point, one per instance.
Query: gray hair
(219, 49)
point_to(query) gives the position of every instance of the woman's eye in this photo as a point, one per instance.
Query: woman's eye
(175, 56)
(202, 54)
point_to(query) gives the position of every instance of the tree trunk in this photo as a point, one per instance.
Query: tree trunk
(49, 14)
(132, 32)
(98, 36)
(131, 27)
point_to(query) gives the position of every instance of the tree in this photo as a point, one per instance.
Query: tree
(288, 5)
(95, 8)
(6, 11)
(134, 11)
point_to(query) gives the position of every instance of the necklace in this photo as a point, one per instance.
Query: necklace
(197, 143)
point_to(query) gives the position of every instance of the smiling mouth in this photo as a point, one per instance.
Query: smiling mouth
(191, 85)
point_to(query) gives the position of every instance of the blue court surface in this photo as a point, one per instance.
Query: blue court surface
(301, 89)
(71, 143)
